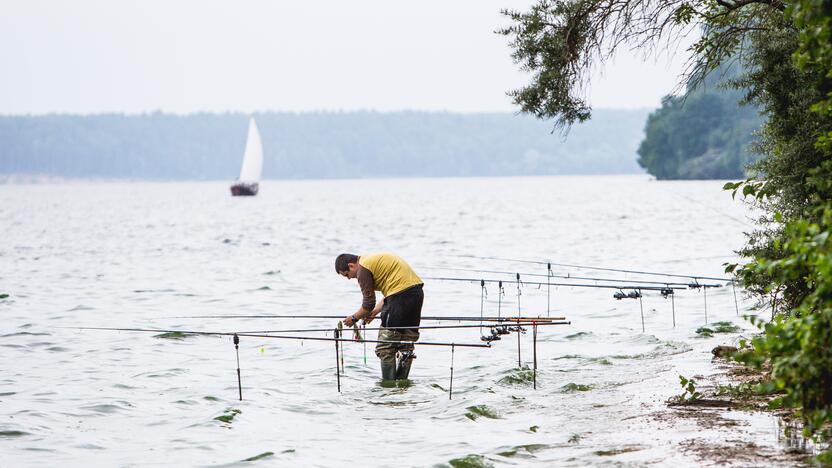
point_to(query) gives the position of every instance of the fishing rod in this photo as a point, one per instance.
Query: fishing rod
(576, 285)
(586, 267)
(460, 318)
(283, 337)
(552, 275)
(426, 327)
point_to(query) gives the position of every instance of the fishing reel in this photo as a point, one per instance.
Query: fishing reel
(694, 285)
(666, 292)
(494, 336)
(517, 329)
(501, 330)
(630, 295)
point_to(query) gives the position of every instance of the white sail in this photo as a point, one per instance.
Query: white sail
(252, 168)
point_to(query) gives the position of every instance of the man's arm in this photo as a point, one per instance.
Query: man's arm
(369, 308)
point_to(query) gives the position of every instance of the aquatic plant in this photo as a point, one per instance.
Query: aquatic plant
(717, 327)
(228, 416)
(259, 457)
(573, 387)
(689, 393)
(484, 411)
(172, 336)
(523, 375)
(522, 450)
(471, 461)
(618, 451)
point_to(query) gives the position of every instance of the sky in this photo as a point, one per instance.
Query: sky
(184, 56)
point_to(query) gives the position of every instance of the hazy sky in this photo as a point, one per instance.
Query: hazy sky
(84, 56)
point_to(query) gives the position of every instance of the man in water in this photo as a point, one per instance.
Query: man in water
(400, 308)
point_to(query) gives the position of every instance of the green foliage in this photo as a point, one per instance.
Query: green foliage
(689, 393)
(705, 134)
(550, 42)
(797, 345)
(747, 390)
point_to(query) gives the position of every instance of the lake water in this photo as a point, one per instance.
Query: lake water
(141, 254)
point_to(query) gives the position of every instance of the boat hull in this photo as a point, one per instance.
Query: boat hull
(244, 189)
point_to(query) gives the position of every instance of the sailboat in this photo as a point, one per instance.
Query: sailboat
(249, 181)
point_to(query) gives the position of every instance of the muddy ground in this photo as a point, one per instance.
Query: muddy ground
(728, 425)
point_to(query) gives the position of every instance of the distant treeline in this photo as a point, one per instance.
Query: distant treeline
(316, 145)
(705, 134)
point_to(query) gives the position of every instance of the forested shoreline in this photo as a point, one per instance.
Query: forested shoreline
(707, 133)
(316, 145)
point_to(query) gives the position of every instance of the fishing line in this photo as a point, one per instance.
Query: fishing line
(574, 285)
(551, 274)
(364, 332)
(587, 267)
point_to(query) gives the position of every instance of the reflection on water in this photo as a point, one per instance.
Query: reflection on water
(790, 435)
(148, 254)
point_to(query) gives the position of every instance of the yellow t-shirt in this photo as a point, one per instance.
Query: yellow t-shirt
(390, 272)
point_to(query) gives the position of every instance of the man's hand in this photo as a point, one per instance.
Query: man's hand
(348, 321)
(369, 318)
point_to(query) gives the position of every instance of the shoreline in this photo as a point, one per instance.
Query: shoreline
(730, 408)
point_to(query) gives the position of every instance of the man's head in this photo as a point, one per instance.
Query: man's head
(346, 265)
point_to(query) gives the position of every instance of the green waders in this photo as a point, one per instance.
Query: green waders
(396, 358)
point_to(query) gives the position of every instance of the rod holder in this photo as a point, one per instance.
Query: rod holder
(239, 379)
